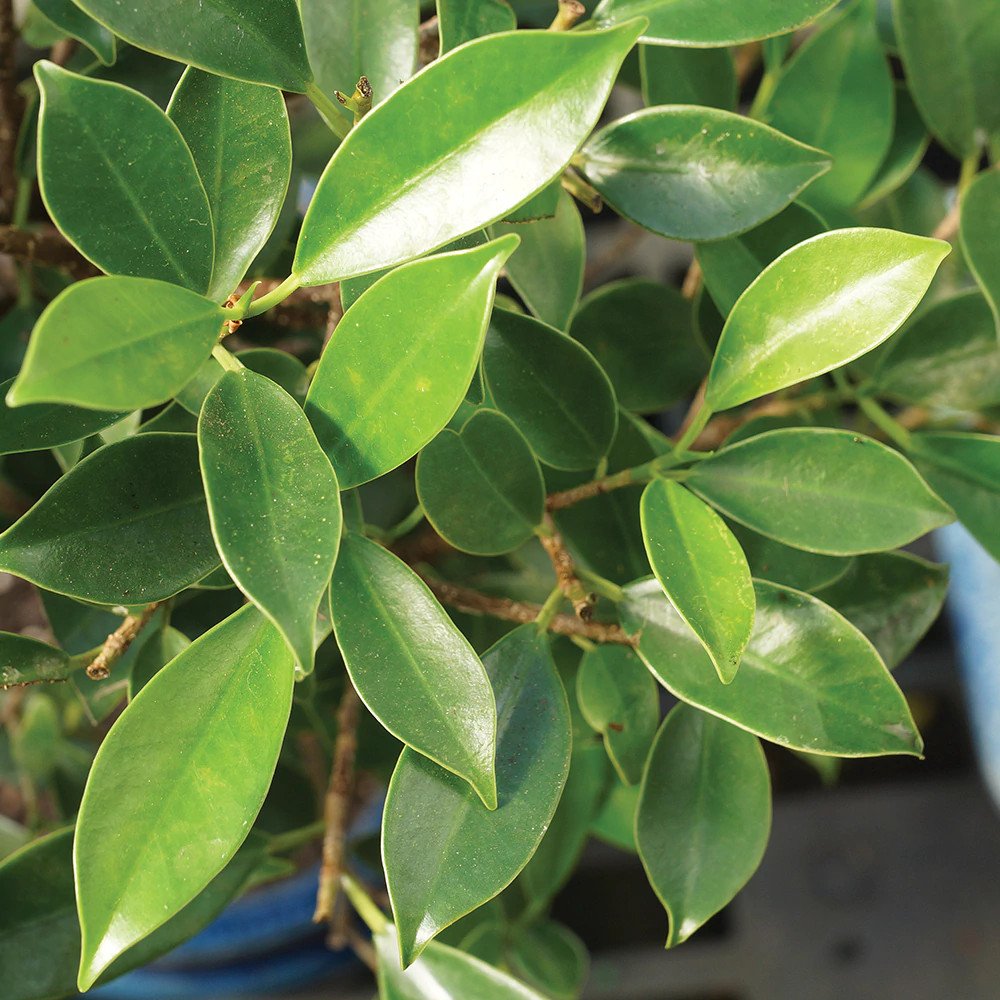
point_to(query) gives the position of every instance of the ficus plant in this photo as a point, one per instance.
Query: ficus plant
(301, 491)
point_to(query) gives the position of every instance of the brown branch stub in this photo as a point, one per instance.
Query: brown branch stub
(337, 812)
(595, 488)
(570, 11)
(562, 562)
(947, 228)
(118, 643)
(10, 110)
(43, 246)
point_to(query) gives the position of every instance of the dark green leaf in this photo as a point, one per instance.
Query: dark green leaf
(207, 729)
(66, 15)
(414, 338)
(821, 304)
(24, 660)
(688, 76)
(809, 679)
(278, 366)
(460, 21)
(444, 853)
(530, 99)
(413, 669)
(239, 136)
(552, 958)
(154, 655)
(273, 501)
(909, 144)
(704, 816)
(615, 823)
(128, 525)
(569, 422)
(795, 568)
(979, 232)
(697, 173)
(482, 488)
(101, 144)
(821, 489)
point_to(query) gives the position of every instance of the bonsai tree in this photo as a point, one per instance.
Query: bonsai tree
(302, 493)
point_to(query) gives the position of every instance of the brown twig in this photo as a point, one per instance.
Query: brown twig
(44, 246)
(10, 109)
(118, 643)
(595, 488)
(570, 11)
(430, 42)
(337, 812)
(362, 947)
(477, 603)
(562, 562)
(692, 280)
(947, 228)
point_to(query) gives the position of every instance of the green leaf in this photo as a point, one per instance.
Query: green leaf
(117, 344)
(906, 152)
(414, 338)
(444, 853)
(708, 23)
(441, 972)
(37, 883)
(697, 173)
(892, 597)
(822, 688)
(979, 228)
(615, 823)
(641, 334)
(965, 470)
(619, 699)
(45, 425)
(278, 366)
(481, 488)
(273, 502)
(823, 303)
(837, 78)
(569, 422)
(706, 77)
(346, 40)
(948, 356)
(552, 958)
(255, 40)
(221, 708)
(795, 568)
(704, 816)
(530, 99)
(128, 525)
(65, 14)
(239, 137)
(702, 569)
(729, 267)
(546, 270)
(411, 666)
(949, 53)
(102, 144)
(820, 489)
(155, 654)
(460, 21)
(24, 660)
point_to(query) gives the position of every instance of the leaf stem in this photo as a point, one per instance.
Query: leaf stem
(330, 111)
(228, 361)
(885, 422)
(404, 527)
(600, 585)
(273, 297)
(548, 610)
(967, 173)
(292, 839)
(365, 906)
(694, 428)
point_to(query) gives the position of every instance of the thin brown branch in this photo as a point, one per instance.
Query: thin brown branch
(10, 110)
(477, 603)
(118, 643)
(430, 42)
(43, 246)
(595, 488)
(692, 280)
(947, 228)
(362, 947)
(570, 11)
(565, 569)
(337, 811)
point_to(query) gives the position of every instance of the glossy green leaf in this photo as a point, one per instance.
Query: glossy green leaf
(546, 270)
(117, 344)
(128, 525)
(706, 77)
(255, 40)
(347, 40)
(823, 303)
(893, 597)
(840, 76)
(70, 18)
(707, 23)
(444, 854)
(704, 816)
(570, 422)
(795, 568)
(809, 679)
(729, 267)
(948, 356)
(531, 98)
(697, 173)
(102, 144)
(550, 957)
(949, 52)
(37, 887)
(414, 338)
(412, 667)
(619, 699)
(702, 569)
(980, 233)
(285, 369)
(542, 205)
(24, 660)
(909, 144)
(273, 502)
(460, 21)
(154, 655)
(481, 487)
(239, 137)
(207, 728)
(641, 334)
(615, 823)
(965, 470)
(820, 489)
